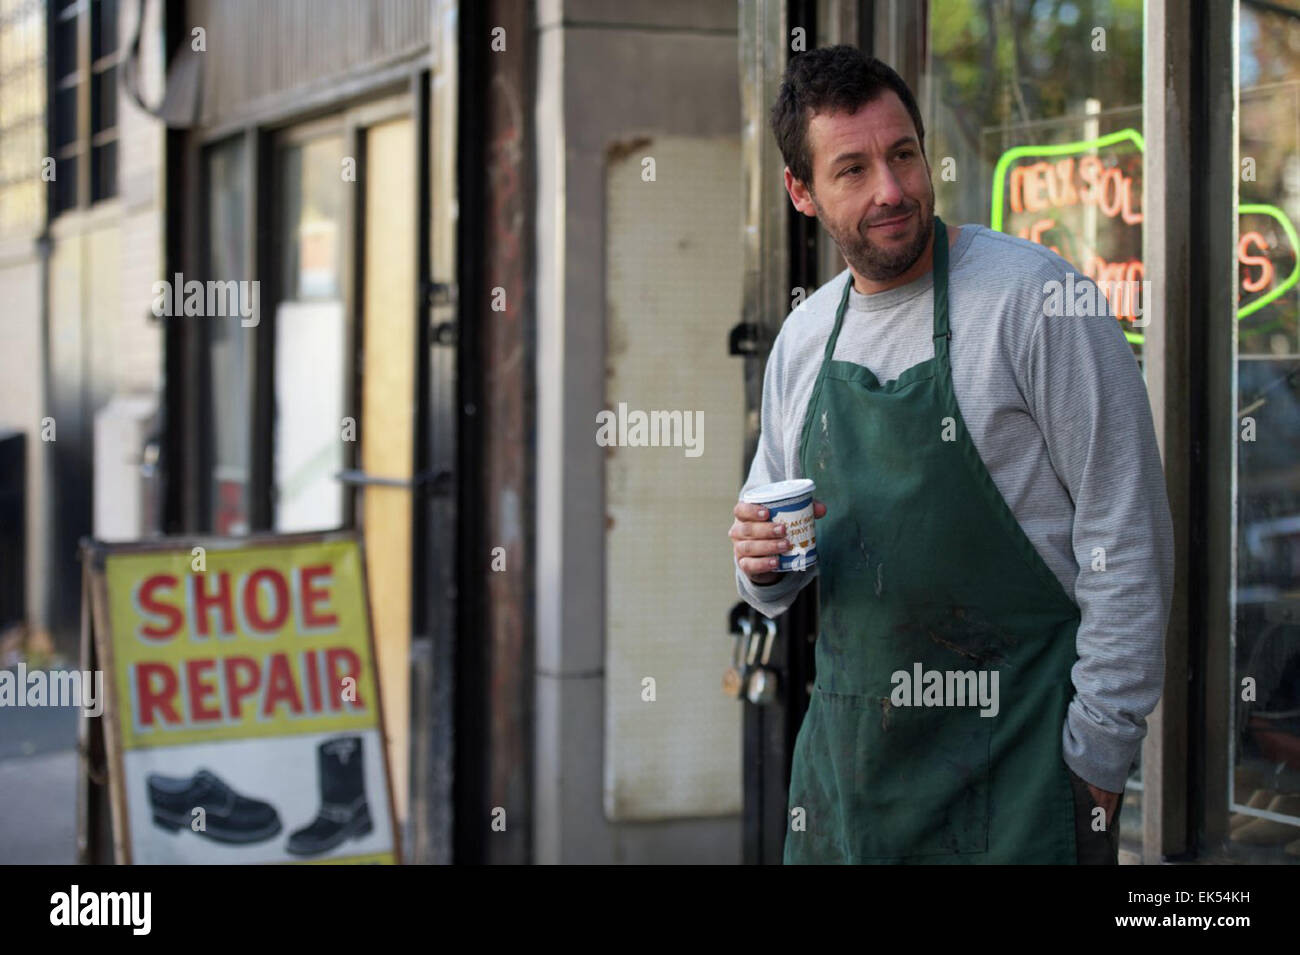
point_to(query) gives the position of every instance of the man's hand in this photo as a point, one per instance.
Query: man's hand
(757, 541)
(1107, 800)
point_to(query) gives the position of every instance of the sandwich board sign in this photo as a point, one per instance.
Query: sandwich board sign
(243, 721)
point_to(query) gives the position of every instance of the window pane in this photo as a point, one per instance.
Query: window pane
(103, 173)
(103, 27)
(22, 117)
(65, 184)
(65, 116)
(1034, 128)
(312, 178)
(310, 339)
(1265, 785)
(1049, 154)
(103, 98)
(230, 341)
(65, 47)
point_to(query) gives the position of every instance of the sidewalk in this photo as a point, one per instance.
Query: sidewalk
(38, 785)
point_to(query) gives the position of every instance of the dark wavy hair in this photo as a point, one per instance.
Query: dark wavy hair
(830, 79)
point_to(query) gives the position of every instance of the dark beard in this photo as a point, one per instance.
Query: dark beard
(870, 260)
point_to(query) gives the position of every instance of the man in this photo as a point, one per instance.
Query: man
(995, 549)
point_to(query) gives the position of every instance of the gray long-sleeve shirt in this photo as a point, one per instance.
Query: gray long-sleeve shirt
(1058, 410)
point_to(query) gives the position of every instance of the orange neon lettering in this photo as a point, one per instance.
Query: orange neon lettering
(1265, 264)
(1089, 169)
(1111, 178)
(1034, 201)
(1062, 184)
(1018, 175)
(1128, 215)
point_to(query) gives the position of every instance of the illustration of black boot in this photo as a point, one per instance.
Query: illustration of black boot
(344, 813)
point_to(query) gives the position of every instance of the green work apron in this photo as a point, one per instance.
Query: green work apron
(925, 568)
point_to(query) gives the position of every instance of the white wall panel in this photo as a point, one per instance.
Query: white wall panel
(673, 280)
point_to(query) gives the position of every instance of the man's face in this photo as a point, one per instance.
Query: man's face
(871, 186)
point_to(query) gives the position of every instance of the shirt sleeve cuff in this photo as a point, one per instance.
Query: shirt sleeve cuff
(1098, 757)
(774, 599)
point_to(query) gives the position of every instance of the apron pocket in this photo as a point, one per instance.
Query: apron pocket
(912, 781)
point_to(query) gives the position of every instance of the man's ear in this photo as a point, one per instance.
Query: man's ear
(800, 195)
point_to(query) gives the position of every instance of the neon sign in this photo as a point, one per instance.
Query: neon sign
(1061, 179)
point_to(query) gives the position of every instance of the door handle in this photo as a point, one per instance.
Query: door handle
(436, 483)
(743, 339)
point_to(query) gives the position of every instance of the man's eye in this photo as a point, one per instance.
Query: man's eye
(905, 154)
(850, 170)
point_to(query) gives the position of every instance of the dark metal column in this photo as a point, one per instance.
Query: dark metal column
(1190, 237)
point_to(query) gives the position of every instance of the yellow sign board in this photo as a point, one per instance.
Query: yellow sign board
(244, 722)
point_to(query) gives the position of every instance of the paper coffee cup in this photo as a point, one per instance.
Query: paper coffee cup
(790, 503)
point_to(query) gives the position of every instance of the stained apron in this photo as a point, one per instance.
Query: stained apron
(923, 562)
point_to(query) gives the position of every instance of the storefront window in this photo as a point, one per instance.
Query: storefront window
(1034, 112)
(1027, 147)
(229, 341)
(310, 338)
(1265, 781)
(22, 116)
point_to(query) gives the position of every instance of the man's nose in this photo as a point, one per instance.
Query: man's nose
(888, 191)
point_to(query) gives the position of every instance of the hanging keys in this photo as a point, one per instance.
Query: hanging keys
(733, 680)
(762, 680)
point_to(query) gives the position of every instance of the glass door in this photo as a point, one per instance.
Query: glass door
(1264, 785)
(311, 334)
(345, 363)
(228, 381)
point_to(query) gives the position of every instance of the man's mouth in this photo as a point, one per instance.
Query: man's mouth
(898, 220)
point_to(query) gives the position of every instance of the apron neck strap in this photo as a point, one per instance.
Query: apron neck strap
(839, 321)
(940, 268)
